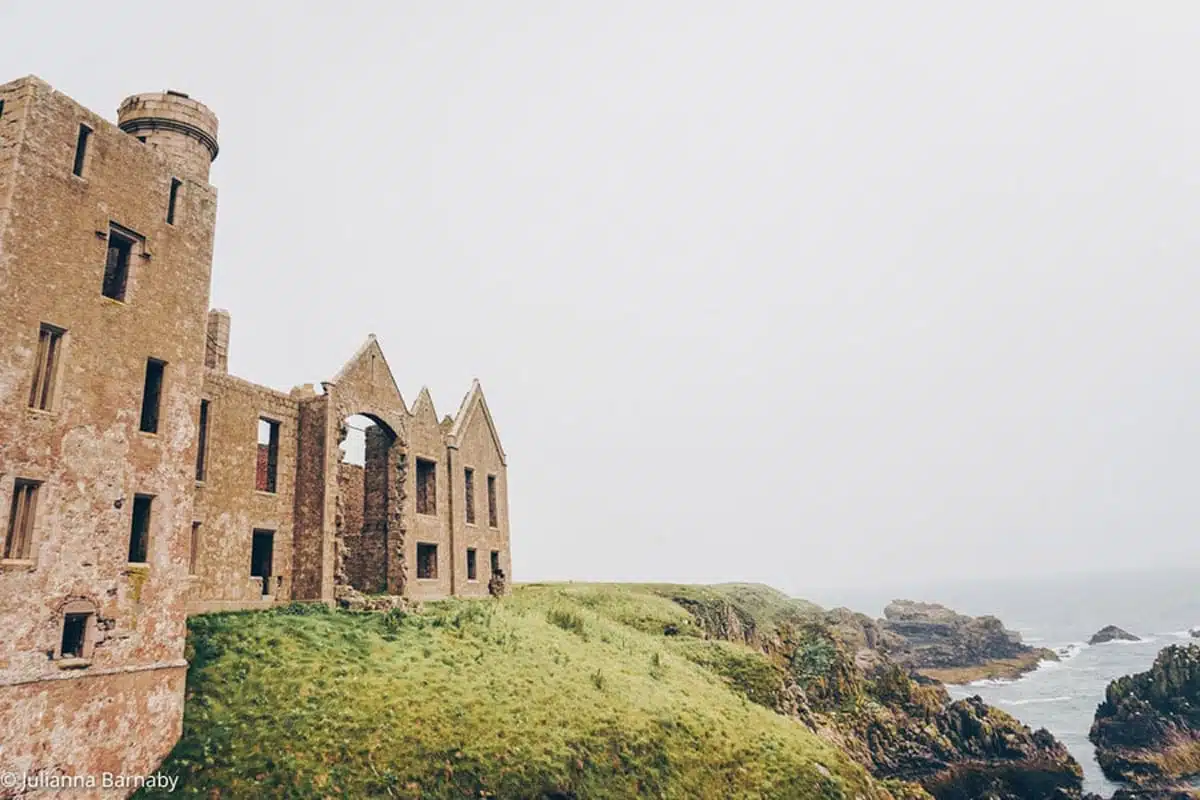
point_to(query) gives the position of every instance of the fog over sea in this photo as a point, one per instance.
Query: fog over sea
(1061, 614)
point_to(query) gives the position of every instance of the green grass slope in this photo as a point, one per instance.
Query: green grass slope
(587, 691)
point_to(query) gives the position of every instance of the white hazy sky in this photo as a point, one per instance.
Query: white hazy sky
(808, 293)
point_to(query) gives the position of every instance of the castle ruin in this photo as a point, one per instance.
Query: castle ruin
(143, 482)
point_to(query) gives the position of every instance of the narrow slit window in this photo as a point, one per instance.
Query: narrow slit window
(175, 184)
(495, 562)
(493, 512)
(427, 562)
(194, 553)
(116, 265)
(471, 574)
(41, 395)
(152, 394)
(81, 145)
(74, 638)
(139, 529)
(469, 488)
(1, 107)
(202, 442)
(18, 543)
(426, 486)
(267, 469)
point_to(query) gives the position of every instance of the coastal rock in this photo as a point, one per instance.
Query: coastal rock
(953, 647)
(837, 680)
(1195, 632)
(1147, 730)
(1111, 633)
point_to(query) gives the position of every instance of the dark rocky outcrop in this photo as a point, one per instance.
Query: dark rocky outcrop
(1195, 632)
(1111, 633)
(938, 642)
(1147, 730)
(834, 676)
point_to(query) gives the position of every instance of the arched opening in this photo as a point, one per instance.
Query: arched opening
(365, 500)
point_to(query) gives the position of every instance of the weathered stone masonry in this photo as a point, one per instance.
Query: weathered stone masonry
(142, 482)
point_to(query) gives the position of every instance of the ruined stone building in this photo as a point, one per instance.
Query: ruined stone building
(142, 482)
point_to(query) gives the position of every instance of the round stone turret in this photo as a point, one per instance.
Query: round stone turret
(180, 127)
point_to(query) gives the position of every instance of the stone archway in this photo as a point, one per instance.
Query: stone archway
(369, 535)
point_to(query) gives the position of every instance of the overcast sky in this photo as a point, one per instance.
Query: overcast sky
(814, 294)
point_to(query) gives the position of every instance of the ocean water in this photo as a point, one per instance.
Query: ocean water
(1062, 614)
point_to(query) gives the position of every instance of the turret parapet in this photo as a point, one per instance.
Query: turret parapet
(184, 129)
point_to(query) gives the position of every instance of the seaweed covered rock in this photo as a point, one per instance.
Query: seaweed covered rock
(1147, 730)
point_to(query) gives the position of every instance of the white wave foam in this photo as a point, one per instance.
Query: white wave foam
(1069, 651)
(1029, 701)
(1177, 634)
(992, 682)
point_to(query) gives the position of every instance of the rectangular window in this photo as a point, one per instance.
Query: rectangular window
(41, 395)
(426, 486)
(139, 529)
(175, 184)
(152, 394)
(262, 553)
(81, 149)
(471, 565)
(267, 472)
(495, 561)
(493, 512)
(427, 562)
(1, 107)
(469, 486)
(202, 443)
(74, 637)
(19, 542)
(116, 264)
(194, 553)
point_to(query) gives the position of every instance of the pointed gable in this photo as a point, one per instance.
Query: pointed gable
(423, 408)
(474, 403)
(369, 368)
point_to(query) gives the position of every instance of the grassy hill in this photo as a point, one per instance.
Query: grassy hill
(589, 691)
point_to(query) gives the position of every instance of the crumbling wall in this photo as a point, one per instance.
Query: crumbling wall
(475, 447)
(312, 544)
(228, 505)
(365, 386)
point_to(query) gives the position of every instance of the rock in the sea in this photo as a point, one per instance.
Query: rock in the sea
(1111, 633)
(1195, 632)
(954, 647)
(1147, 730)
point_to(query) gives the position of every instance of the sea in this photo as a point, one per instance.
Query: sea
(1061, 613)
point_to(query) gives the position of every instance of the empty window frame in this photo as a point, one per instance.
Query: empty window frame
(493, 512)
(81, 146)
(18, 543)
(75, 635)
(194, 552)
(116, 263)
(267, 469)
(171, 200)
(471, 572)
(495, 562)
(45, 373)
(469, 489)
(139, 529)
(262, 554)
(202, 442)
(427, 566)
(426, 486)
(1, 107)
(152, 394)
